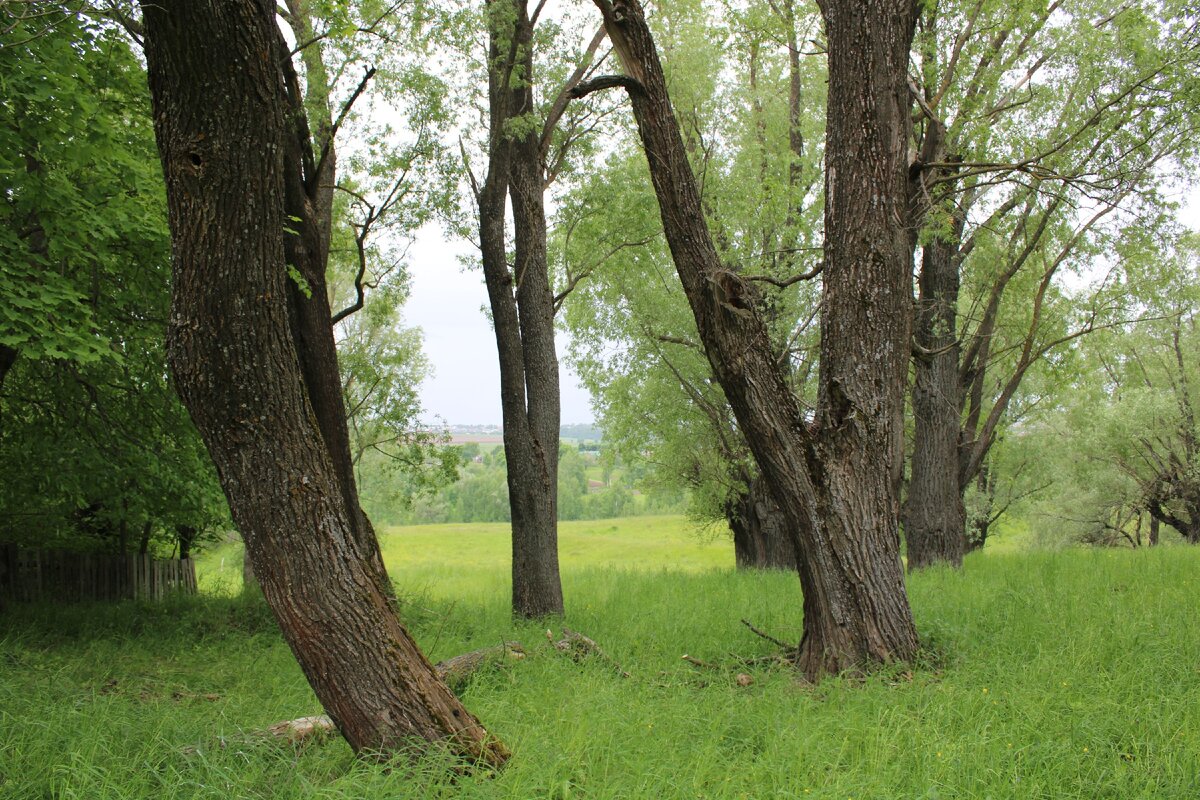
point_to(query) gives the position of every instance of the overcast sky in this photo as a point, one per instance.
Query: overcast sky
(447, 302)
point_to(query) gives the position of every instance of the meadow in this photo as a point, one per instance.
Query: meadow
(1069, 674)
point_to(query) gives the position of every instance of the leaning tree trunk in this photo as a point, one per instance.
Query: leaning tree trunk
(522, 314)
(761, 539)
(225, 122)
(837, 487)
(935, 518)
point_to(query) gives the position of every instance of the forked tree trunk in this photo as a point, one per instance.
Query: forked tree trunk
(935, 518)
(761, 539)
(522, 306)
(838, 486)
(251, 375)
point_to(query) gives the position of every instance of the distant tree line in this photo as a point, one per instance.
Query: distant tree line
(480, 492)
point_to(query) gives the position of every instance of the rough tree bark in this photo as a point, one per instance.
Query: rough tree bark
(935, 518)
(760, 534)
(837, 482)
(522, 304)
(250, 362)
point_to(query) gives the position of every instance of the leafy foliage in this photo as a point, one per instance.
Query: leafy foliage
(635, 344)
(95, 450)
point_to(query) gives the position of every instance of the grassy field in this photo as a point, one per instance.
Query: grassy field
(1073, 674)
(472, 562)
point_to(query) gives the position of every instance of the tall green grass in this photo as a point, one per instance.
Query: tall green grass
(1060, 675)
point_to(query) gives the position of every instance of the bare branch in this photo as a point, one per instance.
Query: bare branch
(786, 282)
(564, 94)
(327, 148)
(602, 83)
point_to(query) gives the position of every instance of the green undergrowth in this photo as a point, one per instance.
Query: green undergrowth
(1057, 675)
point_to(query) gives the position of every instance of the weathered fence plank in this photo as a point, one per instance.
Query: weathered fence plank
(59, 575)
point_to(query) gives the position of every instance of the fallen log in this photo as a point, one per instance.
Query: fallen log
(455, 671)
(578, 646)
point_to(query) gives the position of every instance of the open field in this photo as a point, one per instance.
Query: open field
(473, 560)
(1073, 674)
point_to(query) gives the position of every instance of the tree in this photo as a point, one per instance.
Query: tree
(522, 309)
(836, 476)
(1125, 437)
(1021, 179)
(634, 340)
(528, 146)
(251, 348)
(96, 453)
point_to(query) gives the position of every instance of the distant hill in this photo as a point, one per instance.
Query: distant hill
(578, 432)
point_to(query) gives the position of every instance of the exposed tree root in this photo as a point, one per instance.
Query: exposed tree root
(454, 671)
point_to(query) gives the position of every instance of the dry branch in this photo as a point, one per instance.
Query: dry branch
(767, 636)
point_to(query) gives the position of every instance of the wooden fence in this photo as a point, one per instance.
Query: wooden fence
(62, 576)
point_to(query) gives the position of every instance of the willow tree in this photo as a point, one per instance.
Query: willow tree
(251, 348)
(752, 112)
(1020, 180)
(531, 139)
(835, 476)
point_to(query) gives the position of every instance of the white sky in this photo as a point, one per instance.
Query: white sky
(446, 303)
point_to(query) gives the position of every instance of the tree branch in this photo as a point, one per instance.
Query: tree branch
(604, 82)
(327, 148)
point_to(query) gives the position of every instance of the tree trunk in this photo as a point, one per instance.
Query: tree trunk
(8, 357)
(935, 518)
(224, 110)
(186, 534)
(1153, 531)
(249, 582)
(522, 314)
(837, 486)
(144, 540)
(761, 539)
(981, 526)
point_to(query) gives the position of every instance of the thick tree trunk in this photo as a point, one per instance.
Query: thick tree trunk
(836, 487)
(935, 518)
(522, 315)
(761, 539)
(225, 125)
